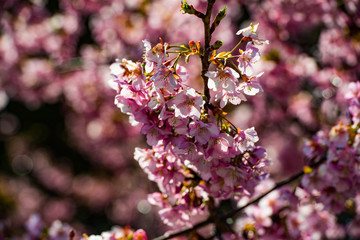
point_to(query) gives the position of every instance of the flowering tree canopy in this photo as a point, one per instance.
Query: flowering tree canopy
(248, 132)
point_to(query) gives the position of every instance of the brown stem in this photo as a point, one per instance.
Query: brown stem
(206, 51)
(185, 230)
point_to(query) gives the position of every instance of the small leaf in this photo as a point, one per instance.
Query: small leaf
(187, 8)
(220, 16)
(216, 45)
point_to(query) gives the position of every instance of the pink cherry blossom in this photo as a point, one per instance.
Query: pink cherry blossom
(187, 103)
(164, 78)
(223, 83)
(203, 131)
(249, 31)
(252, 86)
(220, 146)
(234, 98)
(222, 79)
(247, 58)
(154, 56)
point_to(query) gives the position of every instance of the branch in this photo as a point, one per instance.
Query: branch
(189, 9)
(205, 56)
(185, 230)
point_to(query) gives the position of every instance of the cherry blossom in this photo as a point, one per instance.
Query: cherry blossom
(187, 103)
(248, 57)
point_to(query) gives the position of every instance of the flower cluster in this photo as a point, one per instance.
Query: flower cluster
(196, 153)
(35, 228)
(118, 233)
(287, 214)
(306, 70)
(50, 49)
(326, 203)
(353, 96)
(338, 178)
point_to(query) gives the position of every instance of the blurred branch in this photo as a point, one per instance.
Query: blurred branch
(185, 231)
(73, 64)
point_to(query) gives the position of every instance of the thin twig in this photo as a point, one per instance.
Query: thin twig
(234, 48)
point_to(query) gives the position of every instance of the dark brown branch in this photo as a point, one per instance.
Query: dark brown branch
(186, 8)
(185, 230)
(206, 51)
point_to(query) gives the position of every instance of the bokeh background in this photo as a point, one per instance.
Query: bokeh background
(66, 151)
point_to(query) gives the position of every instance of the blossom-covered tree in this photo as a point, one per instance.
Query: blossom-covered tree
(204, 154)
